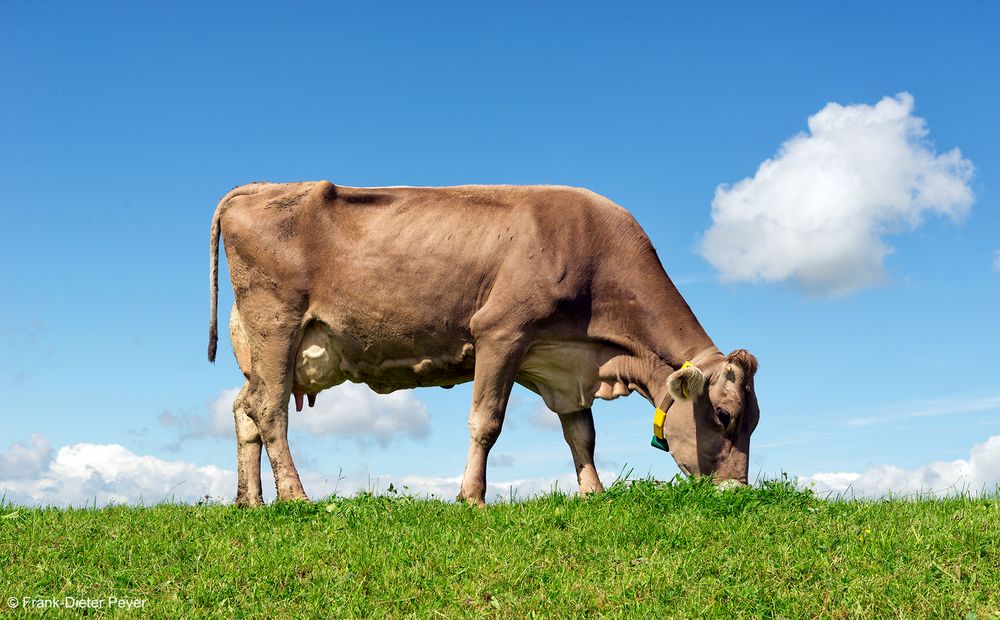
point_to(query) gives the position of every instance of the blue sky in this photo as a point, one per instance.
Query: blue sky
(122, 124)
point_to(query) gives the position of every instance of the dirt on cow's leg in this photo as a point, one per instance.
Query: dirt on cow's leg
(496, 368)
(248, 453)
(272, 421)
(578, 429)
(270, 412)
(273, 332)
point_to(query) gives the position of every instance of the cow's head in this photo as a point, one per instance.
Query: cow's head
(713, 413)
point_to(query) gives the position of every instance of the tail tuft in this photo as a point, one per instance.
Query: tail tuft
(213, 341)
(213, 277)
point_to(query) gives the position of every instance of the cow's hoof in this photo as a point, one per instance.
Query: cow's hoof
(729, 485)
(471, 501)
(296, 498)
(249, 502)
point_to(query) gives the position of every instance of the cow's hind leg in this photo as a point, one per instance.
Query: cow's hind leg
(273, 333)
(578, 429)
(497, 361)
(248, 452)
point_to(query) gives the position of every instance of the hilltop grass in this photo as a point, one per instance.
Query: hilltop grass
(642, 549)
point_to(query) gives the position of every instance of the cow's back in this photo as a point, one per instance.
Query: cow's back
(395, 275)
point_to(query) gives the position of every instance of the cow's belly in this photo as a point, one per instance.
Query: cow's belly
(567, 375)
(326, 358)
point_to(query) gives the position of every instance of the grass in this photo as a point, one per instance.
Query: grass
(641, 549)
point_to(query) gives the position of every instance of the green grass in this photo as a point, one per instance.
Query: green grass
(641, 549)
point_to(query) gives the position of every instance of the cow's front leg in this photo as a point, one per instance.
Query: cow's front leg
(248, 452)
(496, 367)
(578, 429)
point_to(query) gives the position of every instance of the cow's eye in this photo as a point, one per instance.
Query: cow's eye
(723, 417)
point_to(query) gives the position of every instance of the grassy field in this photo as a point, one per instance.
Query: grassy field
(641, 549)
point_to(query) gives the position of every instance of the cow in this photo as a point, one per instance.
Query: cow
(555, 288)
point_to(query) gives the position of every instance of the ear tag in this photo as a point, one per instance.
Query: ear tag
(684, 388)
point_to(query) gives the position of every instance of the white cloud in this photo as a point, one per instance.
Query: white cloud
(816, 215)
(353, 410)
(979, 473)
(88, 474)
(84, 474)
(348, 410)
(218, 423)
(22, 461)
(996, 261)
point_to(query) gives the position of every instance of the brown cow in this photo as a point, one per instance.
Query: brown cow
(555, 288)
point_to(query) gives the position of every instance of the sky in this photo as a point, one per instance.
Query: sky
(820, 182)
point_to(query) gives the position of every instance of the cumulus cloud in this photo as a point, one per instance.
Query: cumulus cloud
(977, 474)
(353, 410)
(348, 410)
(85, 474)
(88, 474)
(817, 214)
(218, 422)
(25, 461)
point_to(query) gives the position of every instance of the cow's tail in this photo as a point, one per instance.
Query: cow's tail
(213, 325)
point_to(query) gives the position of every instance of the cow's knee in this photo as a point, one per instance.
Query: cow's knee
(486, 430)
(247, 431)
(265, 405)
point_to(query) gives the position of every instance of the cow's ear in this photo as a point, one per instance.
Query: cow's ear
(686, 383)
(745, 360)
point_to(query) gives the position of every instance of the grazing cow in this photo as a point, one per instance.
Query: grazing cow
(555, 288)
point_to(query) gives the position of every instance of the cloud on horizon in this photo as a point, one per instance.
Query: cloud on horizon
(88, 474)
(353, 410)
(817, 215)
(348, 410)
(977, 474)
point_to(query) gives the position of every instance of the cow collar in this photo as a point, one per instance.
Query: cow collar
(659, 439)
(700, 360)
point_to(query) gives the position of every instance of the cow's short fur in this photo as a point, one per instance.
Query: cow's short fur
(555, 288)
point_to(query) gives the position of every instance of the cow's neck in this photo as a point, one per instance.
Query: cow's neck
(654, 324)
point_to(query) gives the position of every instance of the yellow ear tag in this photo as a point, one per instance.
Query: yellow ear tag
(684, 388)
